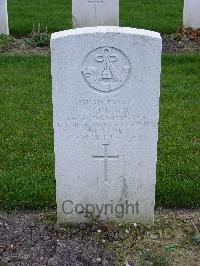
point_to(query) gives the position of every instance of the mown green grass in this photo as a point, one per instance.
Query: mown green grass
(26, 134)
(160, 15)
(179, 144)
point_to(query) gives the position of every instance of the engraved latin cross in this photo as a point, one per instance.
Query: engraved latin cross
(105, 157)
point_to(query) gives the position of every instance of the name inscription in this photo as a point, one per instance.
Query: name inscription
(105, 120)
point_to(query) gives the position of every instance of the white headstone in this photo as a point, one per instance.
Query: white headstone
(191, 16)
(3, 17)
(91, 13)
(106, 87)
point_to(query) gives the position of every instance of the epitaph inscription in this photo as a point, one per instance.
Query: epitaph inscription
(106, 69)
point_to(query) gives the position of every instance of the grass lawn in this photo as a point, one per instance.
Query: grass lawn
(160, 15)
(26, 134)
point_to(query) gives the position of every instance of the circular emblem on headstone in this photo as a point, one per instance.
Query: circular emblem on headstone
(106, 69)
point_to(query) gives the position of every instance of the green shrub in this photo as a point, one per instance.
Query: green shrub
(39, 38)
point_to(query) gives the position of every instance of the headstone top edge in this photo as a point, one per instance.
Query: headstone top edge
(106, 29)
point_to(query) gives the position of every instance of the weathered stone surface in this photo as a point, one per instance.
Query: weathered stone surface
(106, 87)
(91, 13)
(3, 17)
(191, 16)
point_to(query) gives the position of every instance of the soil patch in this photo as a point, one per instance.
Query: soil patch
(172, 44)
(34, 238)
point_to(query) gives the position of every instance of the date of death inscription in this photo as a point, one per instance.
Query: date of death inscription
(105, 120)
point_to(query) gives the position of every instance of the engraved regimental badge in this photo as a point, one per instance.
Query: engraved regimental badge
(106, 69)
